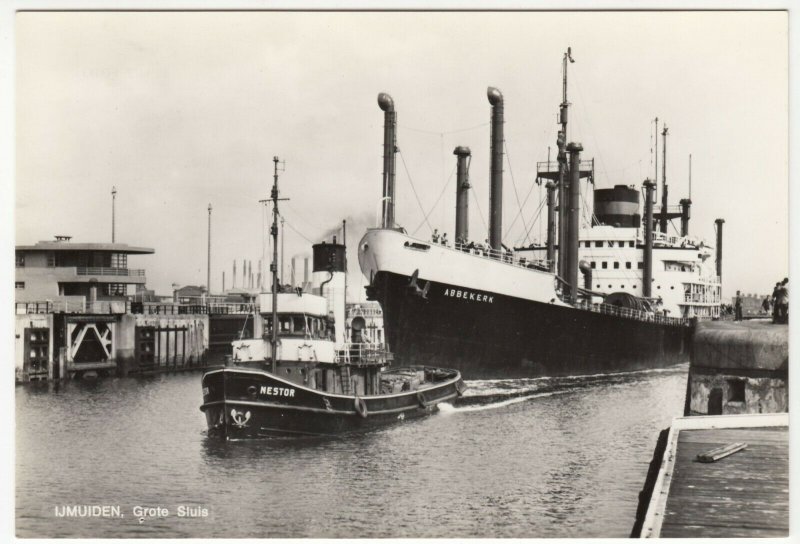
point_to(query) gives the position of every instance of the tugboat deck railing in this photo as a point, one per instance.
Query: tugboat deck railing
(363, 354)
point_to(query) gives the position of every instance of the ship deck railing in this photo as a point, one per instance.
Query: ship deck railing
(660, 239)
(508, 257)
(363, 354)
(632, 313)
(698, 297)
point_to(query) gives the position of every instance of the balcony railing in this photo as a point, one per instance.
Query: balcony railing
(107, 271)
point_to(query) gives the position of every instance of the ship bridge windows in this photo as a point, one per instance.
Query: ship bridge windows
(628, 265)
(640, 265)
(297, 325)
(587, 244)
(593, 264)
(598, 244)
(616, 265)
(631, 244)
(604, 265)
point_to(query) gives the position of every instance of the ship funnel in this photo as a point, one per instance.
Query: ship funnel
(496, 194)
(329, 268)
(551, 225)
(647, 278)
(719, 223)
(389, 149)
(462, 194)
(573, 226)
(686, 206)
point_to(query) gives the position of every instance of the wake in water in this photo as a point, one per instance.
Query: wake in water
(489, 394)
(449, 408)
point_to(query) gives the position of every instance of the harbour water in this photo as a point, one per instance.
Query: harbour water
(515, 458)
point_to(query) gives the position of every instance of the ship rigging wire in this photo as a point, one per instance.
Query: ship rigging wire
(414, 190)
(446, 185)
(516, 194)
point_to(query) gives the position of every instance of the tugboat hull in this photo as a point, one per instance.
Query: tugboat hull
(247, 403)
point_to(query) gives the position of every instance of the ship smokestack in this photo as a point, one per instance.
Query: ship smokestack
(665, 189)
(389, 149)
(686, 205)
(719, 223)
(647, 278)
(496, 195)
(462, 194)
(574, 211)
(551, 225)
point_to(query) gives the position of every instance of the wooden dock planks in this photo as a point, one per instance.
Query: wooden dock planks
(742, 495)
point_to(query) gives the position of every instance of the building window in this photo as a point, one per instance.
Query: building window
(736, 390)
(593, 265)
(640, 265)
(51, 259)
(19, 260)
(19, 285)
(628, 265)
(119, 260)
(616, 265)
(598, 244)
(605, 265)
(116, 289)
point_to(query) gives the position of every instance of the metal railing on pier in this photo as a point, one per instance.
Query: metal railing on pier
(73, 307)
(150, 308)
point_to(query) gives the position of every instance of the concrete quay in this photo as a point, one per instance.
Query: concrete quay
(157, 338)
(736, 416)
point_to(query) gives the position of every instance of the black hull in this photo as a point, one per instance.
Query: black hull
(485, 335)
(248, 403)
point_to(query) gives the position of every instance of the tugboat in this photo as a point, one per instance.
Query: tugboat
(301, 378)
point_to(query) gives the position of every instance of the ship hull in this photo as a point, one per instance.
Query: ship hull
(485, 334)
(246, 403)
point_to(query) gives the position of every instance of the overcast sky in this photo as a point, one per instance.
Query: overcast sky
(179, 110)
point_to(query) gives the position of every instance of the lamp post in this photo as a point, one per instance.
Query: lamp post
(113, 212)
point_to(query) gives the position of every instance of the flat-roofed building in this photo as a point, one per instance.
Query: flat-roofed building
(62, 270)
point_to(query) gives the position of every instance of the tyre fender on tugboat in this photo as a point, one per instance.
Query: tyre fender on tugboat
(360, 406)
(421, 400)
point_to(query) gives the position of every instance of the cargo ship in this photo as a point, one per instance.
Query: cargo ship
(611, 294)
(300, 376)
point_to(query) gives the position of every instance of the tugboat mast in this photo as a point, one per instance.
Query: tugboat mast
(274, 266)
